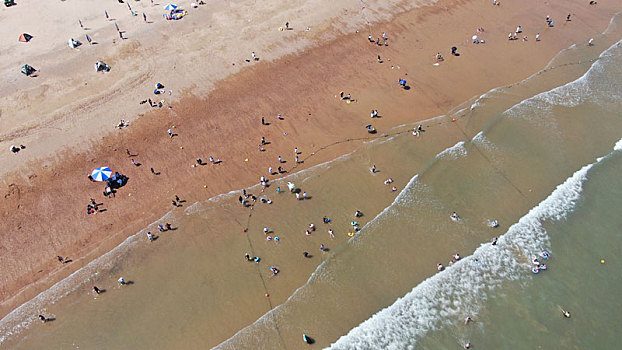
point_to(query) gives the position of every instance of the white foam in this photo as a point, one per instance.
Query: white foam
(618, 145)
(445, 297)
(454, 152)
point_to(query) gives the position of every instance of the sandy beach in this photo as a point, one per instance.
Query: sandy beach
(65, 116)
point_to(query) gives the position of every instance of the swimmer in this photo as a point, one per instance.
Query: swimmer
(566, 313)
(467, 345)
(494, 240)
(535, 261)
(467, 320)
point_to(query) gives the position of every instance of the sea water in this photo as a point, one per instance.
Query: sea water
(524, 155)
(578, 223)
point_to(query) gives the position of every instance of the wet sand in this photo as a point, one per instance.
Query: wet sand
(205, 127)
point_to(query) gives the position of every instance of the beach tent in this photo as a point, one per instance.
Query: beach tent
(25, 37)
(28, 70)
(73, 43)
(101, 173)
(170, 7)
(101, 66)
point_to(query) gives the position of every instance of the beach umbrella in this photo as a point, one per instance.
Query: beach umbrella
(170, 7)
(101, 173)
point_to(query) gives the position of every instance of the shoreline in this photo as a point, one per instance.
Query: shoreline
(238, 81)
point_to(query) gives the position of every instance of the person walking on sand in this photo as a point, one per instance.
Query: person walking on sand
(144, 17)
(373, 169)
(331, 233)
(150, 236)
(280, 159)
(43, 318)
(170, 132)
(96, 290)
(537, 36)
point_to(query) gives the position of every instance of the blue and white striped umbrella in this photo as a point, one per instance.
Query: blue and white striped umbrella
(170, 7)
(101, 173)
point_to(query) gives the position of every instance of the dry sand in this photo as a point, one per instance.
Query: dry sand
(43, 202)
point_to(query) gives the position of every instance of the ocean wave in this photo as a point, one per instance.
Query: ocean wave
(448, 296)
(454, 152)
(576, 92)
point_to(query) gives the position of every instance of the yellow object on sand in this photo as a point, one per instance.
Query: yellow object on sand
(602, 261)
(246, 160)
(351, 234)
(204, 186)
(129, 194)
(280, 29)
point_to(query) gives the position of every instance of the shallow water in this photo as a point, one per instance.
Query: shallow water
(501, 160)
